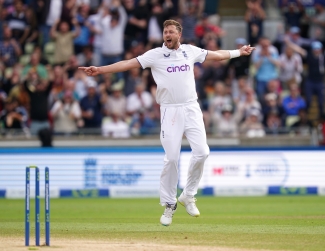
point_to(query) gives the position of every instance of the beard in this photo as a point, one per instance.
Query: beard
(172, 45)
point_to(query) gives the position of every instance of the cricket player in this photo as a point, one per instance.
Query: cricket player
(172, 69)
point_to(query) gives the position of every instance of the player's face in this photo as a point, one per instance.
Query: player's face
(171, 37)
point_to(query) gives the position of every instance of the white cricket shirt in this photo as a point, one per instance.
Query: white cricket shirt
(173, 73)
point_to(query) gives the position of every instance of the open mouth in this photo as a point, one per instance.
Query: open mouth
(169, 41)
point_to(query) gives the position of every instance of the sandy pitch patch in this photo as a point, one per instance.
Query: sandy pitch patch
(17, 244)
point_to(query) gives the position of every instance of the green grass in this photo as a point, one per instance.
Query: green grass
(276, 223)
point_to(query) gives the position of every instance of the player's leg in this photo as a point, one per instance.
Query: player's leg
(196, 135)
(172, 128)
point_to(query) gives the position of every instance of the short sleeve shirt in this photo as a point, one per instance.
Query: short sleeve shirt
(173, 73)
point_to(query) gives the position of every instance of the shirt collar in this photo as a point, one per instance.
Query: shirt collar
(180, 48)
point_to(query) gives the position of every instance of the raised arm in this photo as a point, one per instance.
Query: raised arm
(225, 54)
(121, 66)
(53, 32)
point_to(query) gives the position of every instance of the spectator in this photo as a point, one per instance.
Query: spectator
(272, 107)
(94, 21)
(47, 12)
(136, 27)
(3, 16)
(290, 67)
(86, 58)
(158, 15)
(33, 33)
(205, 31)
(316, 29)
(38, 90)
(71, 66)
(14, 116)
(63, 41)
(238, 67)
(83, 37)
(138, 100)
(115, 127)
(105, 87)
(91, 107)
(292, 104)
(58, 77)
(3, 97)
(212, 72)
(66, 113)
(258, 47)
(17, 22)
(315, 76)
(252, 127)
(303, 126)
(113, 26)
(273, 122)
(82, 2)
(69, 10)
(133, 77)
(142, 124)
(7, 4)
(36, 65)
(136, 49)
(81, 80)
(266, 64)
(219, 100)
(154, 111)
(69, 86)
(189, 13)
(9, 49)
(225, 124)
(244, 108)
(292, 12)
(19, 93)
(273, 86)
(254, 17)
(239, 89)
(12, 80)
(116, 103)
(43, 57)
(293, 37)
(57, 93)
(199, 83)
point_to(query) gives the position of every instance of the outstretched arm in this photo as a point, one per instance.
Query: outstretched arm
(225, 54)
(121, 66)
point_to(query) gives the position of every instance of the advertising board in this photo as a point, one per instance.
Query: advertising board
(256, 169)
(84, 172)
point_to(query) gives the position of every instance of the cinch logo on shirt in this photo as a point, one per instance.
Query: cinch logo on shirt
(173, 68)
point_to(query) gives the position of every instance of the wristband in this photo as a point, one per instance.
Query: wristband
(234, 53)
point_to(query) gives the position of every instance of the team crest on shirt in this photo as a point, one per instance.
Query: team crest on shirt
(184, 54)
(166, 56)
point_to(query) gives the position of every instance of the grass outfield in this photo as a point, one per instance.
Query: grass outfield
(274, 223)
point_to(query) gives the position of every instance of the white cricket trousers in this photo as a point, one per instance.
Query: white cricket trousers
(178, 120)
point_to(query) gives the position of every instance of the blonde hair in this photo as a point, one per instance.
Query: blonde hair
(173, 22)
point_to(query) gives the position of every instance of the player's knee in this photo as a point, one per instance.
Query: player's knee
(206, 153)
(203, 153)
(172, 161)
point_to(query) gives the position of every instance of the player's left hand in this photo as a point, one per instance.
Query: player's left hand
(246, 50)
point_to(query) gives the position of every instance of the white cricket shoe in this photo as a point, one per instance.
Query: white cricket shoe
(189, 203)
(167, 217)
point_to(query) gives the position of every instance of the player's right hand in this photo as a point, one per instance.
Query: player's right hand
(90, 71)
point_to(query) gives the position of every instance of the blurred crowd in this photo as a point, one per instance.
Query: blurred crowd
(42, 43)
